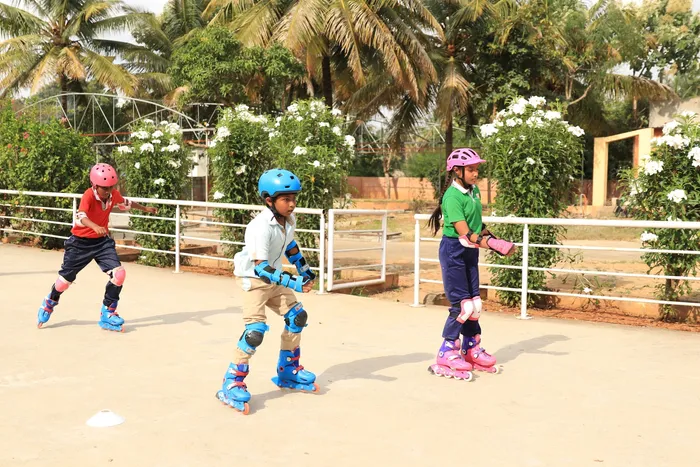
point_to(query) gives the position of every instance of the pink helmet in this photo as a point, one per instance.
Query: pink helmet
(103, 175)
(462, 157)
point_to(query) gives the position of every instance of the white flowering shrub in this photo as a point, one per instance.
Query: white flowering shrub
(155, 165)
(309, 140)
(666, 186)
(534, 156)
(239, 153)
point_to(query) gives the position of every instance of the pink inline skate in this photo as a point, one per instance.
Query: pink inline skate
(450, 363)
(478, 357)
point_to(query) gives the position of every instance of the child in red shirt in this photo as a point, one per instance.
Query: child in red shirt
(91, 240)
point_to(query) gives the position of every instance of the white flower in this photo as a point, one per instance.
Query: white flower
(273, 134)
(587, 290)
(325, 190)
(324, 124)
(278, 119)
(677, 196)
(498, 123)
(522, 101)
(240, 170)
(148, 120)
(157, 134)
(511, 122)
(172, 148)
(146, 147)
(174, 164)
(212, 143)
(315, 163)
(173, 128)
(222, 132)
(336, 130)
(518, 109)
(142, 134)
(688, 114)
(674, 141)
(313, 115)
(336, 112)
(159, 181)
(694, 154)
(534, 121)
(242, 108)
(670, 127)
(488, 130)
(218, 195)
(164, 123)
(124, 149)
(137, 165)
(552, 115)
(537, 101)
(576, 131)
(294, 108)
(672, 219)
(349, 141)
(530, 160)
(300, 118)
(299, 151)
(156, 141)
(653, 167)
(648, 237)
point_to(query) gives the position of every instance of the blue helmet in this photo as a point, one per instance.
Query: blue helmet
(277, 182)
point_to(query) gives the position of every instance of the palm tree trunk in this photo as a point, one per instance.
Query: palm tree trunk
(449, 133)
(64, 89)
(327, 81)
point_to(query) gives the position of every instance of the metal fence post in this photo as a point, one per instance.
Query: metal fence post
(416, 266)
(177, 239)
(523, 293)
(322, 255)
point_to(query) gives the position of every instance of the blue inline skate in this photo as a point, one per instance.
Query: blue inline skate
(291, 375)
(234, 392)
(110, 319)
(45, 311)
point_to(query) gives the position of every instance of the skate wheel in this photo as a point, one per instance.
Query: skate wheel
(246, 408)
(317, 388)
(39, 325)
(469, 378)
(496, 370)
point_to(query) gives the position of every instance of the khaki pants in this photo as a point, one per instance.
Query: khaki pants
(279, 299)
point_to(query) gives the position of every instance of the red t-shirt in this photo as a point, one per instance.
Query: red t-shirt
(96, 211)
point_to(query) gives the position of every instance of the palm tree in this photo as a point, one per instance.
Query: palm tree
(321, 32)
(157, 37)
(51, 41)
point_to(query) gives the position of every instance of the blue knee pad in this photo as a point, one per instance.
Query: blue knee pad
(252, 337)
(295, 319)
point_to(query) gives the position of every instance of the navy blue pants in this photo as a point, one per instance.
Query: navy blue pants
(80, 251)
(460, 277)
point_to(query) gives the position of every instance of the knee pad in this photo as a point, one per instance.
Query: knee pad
(477, 308)
(295, 319)
(466, 310)
(118, 276)
(62, 284)
(252, 337)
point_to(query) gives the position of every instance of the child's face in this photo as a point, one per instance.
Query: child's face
(104, 191)
(471, 174)
(285, 204)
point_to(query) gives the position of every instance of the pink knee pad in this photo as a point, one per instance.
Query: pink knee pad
(467, 309)
(118, 276)
(500, 246)
(476, 301)
(61, 284)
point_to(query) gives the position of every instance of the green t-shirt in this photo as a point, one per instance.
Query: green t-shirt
(458, 206)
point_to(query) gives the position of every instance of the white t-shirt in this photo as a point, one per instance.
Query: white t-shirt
(265, 239)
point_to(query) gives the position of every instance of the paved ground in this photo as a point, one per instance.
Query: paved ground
(571, 394)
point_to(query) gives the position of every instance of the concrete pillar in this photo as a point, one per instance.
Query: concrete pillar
(643, 144)
(600, 171)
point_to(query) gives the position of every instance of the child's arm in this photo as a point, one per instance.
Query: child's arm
(141, 207)
(489, 242)
(270, 275)
(293, 254)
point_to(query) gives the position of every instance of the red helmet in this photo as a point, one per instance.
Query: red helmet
(103, 175)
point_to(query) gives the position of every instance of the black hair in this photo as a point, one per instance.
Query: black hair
(434, 221)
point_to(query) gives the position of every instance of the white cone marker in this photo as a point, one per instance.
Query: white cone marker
(105, 418)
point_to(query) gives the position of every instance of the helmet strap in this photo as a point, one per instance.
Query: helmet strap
(460, 176)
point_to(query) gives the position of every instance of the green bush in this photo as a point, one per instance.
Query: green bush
(156, 165)
(534, 156)
(45, 157)
(665, 187)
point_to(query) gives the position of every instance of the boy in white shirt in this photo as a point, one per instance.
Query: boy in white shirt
(258, 271)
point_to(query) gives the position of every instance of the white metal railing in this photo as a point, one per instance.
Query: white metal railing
(526, 245)
(332, 231)
(177, 218)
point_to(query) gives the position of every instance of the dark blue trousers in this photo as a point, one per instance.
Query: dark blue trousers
(79, 252)
(460, 277)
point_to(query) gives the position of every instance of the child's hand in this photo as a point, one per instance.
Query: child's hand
(306, 288)
(101, 231)
(151, 210)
